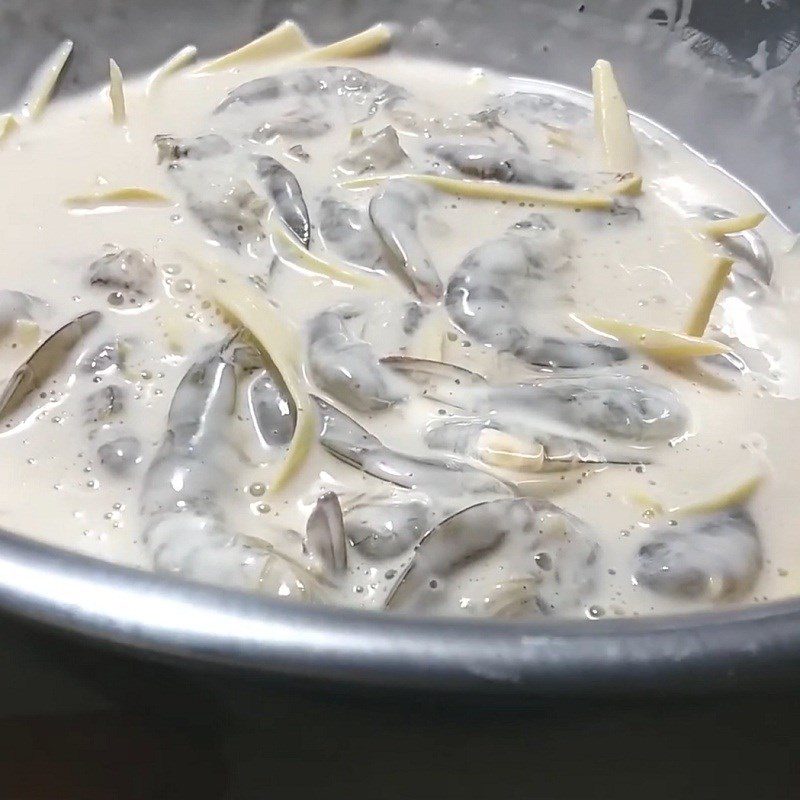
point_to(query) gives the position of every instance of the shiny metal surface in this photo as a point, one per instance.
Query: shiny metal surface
(188, 623)
(177, 620)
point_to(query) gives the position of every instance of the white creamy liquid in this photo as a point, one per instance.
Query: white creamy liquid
(646, 270)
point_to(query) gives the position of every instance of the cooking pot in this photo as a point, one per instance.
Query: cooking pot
(738, 59)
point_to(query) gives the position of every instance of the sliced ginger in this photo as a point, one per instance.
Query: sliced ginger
(499, 449)
(661, 344)
(735, 495)
(116, 92)
(44, 83)
(704, 304)
(286, 39)
(184, 57)
(8, 125)
(612, 121)
(319, 266)
(364, 43)
(723, 227)
(124, 196)
(493, 190)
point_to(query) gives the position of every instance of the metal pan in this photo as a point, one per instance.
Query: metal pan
(169, 619)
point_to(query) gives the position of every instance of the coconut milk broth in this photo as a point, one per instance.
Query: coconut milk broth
(647, 272)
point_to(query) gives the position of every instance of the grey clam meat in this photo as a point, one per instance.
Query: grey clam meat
(302, 102)
(104, 358)
(102, 404)
(347, 367)
(232, 213)
(124, 269)
(488, 161)
(560, 570)
(173, 149)
(298, 123)
(543, 109)
(412, 316)
(380, 530)
(630, 409)
(395, 210)
(120, 455)
(223, 201)
(566, 552)
(284, 190)
(348, 231)
(373, 153)
(710, 556)
(16, 307)
(502, 283)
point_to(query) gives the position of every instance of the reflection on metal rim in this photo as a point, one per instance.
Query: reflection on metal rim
(172, 619)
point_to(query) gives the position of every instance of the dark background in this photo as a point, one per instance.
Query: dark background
(81, 722)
